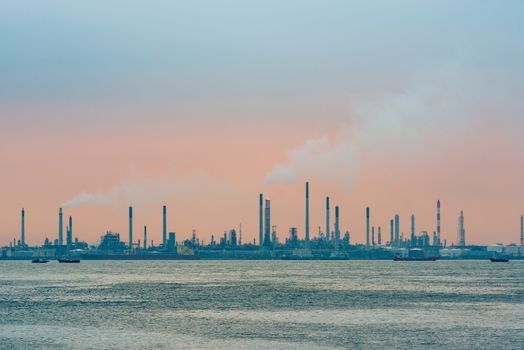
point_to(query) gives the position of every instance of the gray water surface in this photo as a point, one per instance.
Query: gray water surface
(262, 305)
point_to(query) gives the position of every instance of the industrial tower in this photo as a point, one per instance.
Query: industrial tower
(261, 220)
(367, 227)
(307, 212)
(522, 230)
(327, 219)
(461, 234)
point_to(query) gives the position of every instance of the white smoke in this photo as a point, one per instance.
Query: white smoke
(133, 192)
(143, 192)
(443, 102)
(100, 199)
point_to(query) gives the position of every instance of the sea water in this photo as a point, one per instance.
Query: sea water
(262, 305)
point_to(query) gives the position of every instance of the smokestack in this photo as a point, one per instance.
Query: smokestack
(373, 236)
(461, 231)
(70, 233)
(267, 235)
(130, 229)
(60, 228)
(438, 222)
(337, 227)
(22, 236)
(328, 229)
(379, 237)
(412, 229)
(164, 227)
(145, 237)
(307, 211)
(261, 221)
(391, 239)
(397, 230)
(522, 230)
(240, 234)
(367, 227)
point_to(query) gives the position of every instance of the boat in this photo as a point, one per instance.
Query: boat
(398, 258)
(499, 260)
(40, 261)
(69, 261)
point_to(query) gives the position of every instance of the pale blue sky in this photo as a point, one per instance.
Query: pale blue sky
(85, 51)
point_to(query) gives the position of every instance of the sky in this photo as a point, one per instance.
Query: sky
(202, 105)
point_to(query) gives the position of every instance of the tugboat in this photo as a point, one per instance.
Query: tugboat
(40, 261)
(69, 261)
(499, 260)
(433, 258)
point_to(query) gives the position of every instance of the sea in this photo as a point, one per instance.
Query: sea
(262, 305)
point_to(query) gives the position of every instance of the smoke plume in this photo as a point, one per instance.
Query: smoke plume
(437, 106)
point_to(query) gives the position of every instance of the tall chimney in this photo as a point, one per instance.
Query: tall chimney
(397, 230)
(267, 235)
(379, 236)
(261, 220)
(522, 230)
(60, 228)
(373, 236)
(438, 222)
(328, 229)
(145, 237)
(130, 229)
(391, 239)
(70, 233)
(462, 231)
(337, 227)
(413, 240)
(240, 234)
(164, 227)
(22, 238)
(367, 227)
(307, 211)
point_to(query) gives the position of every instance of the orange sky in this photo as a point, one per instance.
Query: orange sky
(210, 179)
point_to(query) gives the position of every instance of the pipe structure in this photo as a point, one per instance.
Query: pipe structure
(462, 231)
(397, 230)
(130, 229)
(164, 227)
(367, 227)
(337, 227)
(438, 223)
(60, 228)
(22, 234)
(267, 235)
(70, 233)
(307, 212)
(240, 234)
(328, 229)
(522, 230)
(261, 220)
(413, 240)
(391, 238)
(145, 237)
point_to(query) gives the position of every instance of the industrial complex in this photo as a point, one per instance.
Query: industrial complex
(328, 244)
